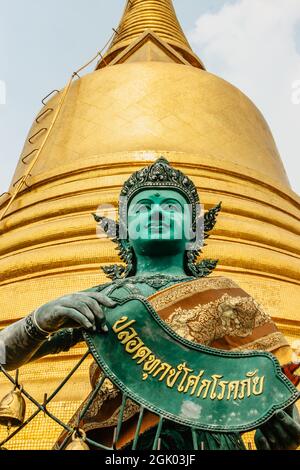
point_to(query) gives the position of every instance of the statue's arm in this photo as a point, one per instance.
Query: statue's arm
(54, 327)
(62, 341)
(17, 346)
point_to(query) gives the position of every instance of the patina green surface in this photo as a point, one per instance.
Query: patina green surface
(155, 186)
(185, 382)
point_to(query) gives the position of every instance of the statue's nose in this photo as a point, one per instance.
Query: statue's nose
(156, 210)
(157, 214)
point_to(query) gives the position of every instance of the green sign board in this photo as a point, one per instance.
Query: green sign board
(188, 383)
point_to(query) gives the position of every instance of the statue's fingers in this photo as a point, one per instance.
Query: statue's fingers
(94, 306)
(284, 439)
(289, 410)
(289, 424)
(85, 309)
(292, 411)
(77, 317)
(268, 432)
(101, 320)
(101, 298)
(261, 441)
(99, 315)
(89, 307)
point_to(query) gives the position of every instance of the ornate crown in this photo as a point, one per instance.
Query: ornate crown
(160, 174)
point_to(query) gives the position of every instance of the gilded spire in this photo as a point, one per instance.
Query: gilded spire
(158, 16)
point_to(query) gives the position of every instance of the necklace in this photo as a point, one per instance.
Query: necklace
(156, 281)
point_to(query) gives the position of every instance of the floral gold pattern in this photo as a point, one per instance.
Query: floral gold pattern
(232, 316)
(171, 295)
(267, 343)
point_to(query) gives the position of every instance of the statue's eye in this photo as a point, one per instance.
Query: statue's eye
(171, 207)
(142, 208)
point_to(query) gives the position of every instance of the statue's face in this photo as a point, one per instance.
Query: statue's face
(159, 222)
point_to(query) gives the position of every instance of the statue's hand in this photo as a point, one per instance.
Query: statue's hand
(80, 310)
(281, 432)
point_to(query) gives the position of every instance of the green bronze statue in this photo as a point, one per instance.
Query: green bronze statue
(160, 234)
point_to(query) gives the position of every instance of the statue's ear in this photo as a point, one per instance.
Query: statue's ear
(113, 271)
(112, 230)
(206, 267)
(109, 226)
(210, 219)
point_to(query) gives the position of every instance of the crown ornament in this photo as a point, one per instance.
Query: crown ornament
(160, 175)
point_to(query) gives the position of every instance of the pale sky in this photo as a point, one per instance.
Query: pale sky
(254, 44)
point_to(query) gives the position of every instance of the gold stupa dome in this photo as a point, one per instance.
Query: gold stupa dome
(129, 107)
(150, 95)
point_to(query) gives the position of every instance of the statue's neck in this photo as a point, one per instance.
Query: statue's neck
(171, 264)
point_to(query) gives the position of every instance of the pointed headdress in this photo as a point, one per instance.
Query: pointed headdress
(161, 175)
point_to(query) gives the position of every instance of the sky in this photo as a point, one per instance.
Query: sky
(254, 44)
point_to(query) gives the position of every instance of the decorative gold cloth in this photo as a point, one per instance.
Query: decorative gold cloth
(214, 312)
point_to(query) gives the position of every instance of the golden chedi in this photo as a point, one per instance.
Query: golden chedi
(150, 95)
